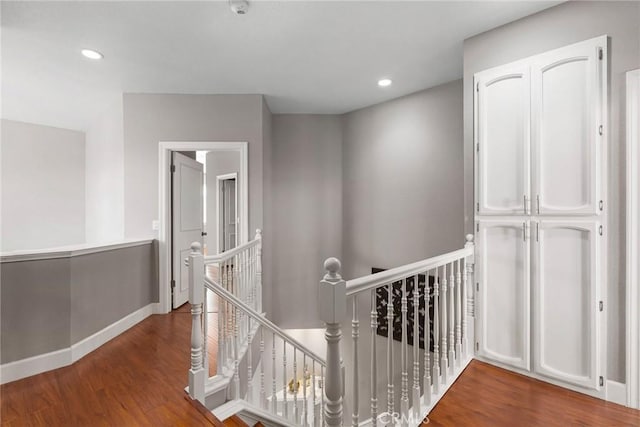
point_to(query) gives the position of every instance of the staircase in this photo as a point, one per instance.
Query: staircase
(415, 343)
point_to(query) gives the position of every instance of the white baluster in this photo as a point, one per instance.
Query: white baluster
(452, 284)
(305, 406)
(263, 394)
(197, 374)
(236, 353)
(332, 295)
(252, 277)
(355, 330)
(374, 362)
(245, 277)
(459, 308)
(468, 273)
(443, 325)
(404, 382)
(316, 416)
(416, 347)
(230, 287)
(237, 260)
(390, 392)
(221, 325)
(296, 415)
(274, 396)
(322, 398)
(436, 334)
(205, 332)
(284, 379)
(259, 270)
(249, 362)
(427, 343)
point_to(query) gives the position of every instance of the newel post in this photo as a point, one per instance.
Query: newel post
(467, 296)
(332, 305)
(197, 374)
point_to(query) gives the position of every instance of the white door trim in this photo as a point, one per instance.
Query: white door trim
(220, 178)
(164, 203)
(633, 234)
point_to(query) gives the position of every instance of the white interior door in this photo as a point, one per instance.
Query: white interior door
(568, 128)
(502, 140)
(566, 304)
(186, 225)
(503, 294)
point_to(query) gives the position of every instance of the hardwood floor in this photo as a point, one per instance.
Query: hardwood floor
(138, 379)
(488, 396)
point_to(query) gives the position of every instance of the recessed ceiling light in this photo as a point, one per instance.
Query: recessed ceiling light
(92, 54)
(384, 82)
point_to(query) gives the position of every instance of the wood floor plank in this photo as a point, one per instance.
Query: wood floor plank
(136, 379)
(485, 395)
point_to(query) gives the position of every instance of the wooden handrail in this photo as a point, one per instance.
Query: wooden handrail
(373, 281)
(220, 291)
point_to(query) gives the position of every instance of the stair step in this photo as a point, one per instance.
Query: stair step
(234, 421)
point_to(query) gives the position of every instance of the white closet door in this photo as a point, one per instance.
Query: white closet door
(504, 275)
(566, 304)
(567, 98)
(502, 140)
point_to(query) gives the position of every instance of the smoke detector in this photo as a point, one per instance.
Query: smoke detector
(239, 7)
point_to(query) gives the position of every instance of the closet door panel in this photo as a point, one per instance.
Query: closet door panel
(502, 136)
(566, 301)
(566, 119)
(504, 292)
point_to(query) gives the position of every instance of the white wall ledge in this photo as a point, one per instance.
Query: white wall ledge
(69, 251)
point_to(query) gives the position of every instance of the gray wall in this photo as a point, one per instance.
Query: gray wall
(269, 214)
(107, 286)
(219, 163)
(42, 186)
(78, 297)
(403, 187)
(149, 119)
(556, 27)
(35, 308)
(307, 218)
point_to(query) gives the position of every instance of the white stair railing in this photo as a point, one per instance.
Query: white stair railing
(433, 294)
(439, 290)
(239, 271)
(290, 392)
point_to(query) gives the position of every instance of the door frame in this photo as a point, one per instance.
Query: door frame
(164, 204)
(219, 179)
(633, 234)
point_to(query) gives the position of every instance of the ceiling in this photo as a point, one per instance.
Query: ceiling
(306, 57)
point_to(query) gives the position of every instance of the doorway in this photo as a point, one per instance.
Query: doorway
(165, 151)
(227, 211)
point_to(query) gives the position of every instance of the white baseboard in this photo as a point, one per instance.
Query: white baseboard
(57, 359)
(616, 392)
(87, 345)
(34, 365)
